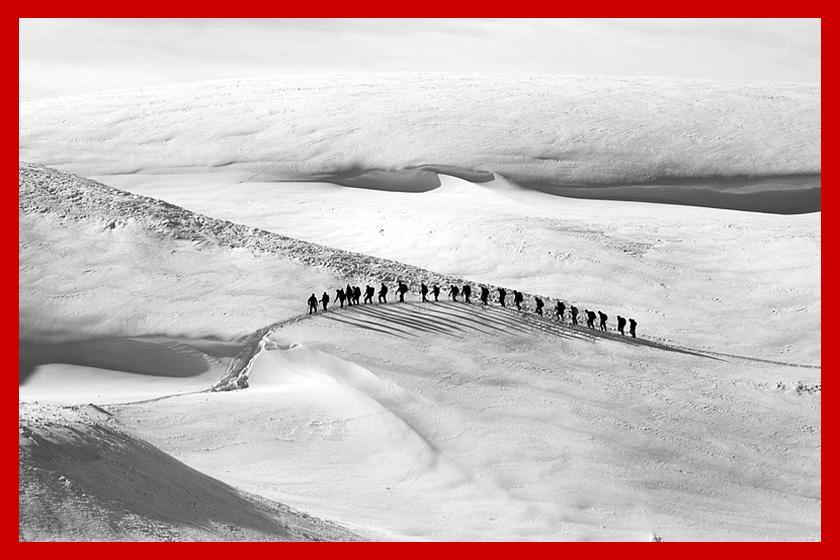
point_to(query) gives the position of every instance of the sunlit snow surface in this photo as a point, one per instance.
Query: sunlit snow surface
(430, 421)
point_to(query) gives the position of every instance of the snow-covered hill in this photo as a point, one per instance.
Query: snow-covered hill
(414, 421)
(560, 134)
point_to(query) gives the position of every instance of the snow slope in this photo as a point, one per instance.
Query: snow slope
(82, 478)
(711, 278)
(410, 421)
(554, 133)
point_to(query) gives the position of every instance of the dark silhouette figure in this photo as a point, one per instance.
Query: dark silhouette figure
(603, 317)
(559, 310)
(357, 293)
(590, 318)
(339, 295)
(467, 291)
(453, 292)
(621, 322)
(313, 304)
(368, 293)
(325, 299)
(633, 328)
(383, 293)
(502, 294)
(402, 288)
(540, 304)
(573, 313)
(348, 291)
(435, 291)
(485, 293)
(424, 289)
(518, 299)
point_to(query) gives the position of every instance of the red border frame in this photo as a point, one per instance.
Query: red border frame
(380, 8)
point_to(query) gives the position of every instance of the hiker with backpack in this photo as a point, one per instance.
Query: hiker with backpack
(559, 310)
(518, 299)
(402, 288)
(621, 322)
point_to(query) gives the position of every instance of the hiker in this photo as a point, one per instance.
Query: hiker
(325, 299)
(348, 291)
(453, 292)
(357, 293)
(502, 294)
(339, 295)
(402, 288)
(383, 293)
(435, 291)
(539, 303)
(621, 322)
(559, 310)
(485, 293)
(467, 291)
(603, 317)
(518, 299)
(573, 313)
(313, 304)
(633, 328)
(590, 318)
(369, 293)
(424, 289)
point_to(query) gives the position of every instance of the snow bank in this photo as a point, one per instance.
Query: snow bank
(542, 131)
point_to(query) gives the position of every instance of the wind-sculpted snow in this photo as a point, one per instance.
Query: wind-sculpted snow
(396, 131)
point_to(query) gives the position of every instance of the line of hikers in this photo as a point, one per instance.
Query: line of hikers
(352, 294)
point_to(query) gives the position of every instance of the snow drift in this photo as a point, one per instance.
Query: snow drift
(395, 131)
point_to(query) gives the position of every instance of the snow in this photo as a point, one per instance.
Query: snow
(83, 478)
(419, 421)
(468, 423)
(540, 131)
(753, 277)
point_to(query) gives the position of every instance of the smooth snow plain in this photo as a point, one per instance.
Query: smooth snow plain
(441, 421)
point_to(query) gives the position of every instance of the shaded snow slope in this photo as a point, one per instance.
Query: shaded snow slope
(83, 478)
(395, 131)
(121, 369)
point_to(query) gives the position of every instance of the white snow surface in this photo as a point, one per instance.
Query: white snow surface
(416, 421)
(551, 130)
